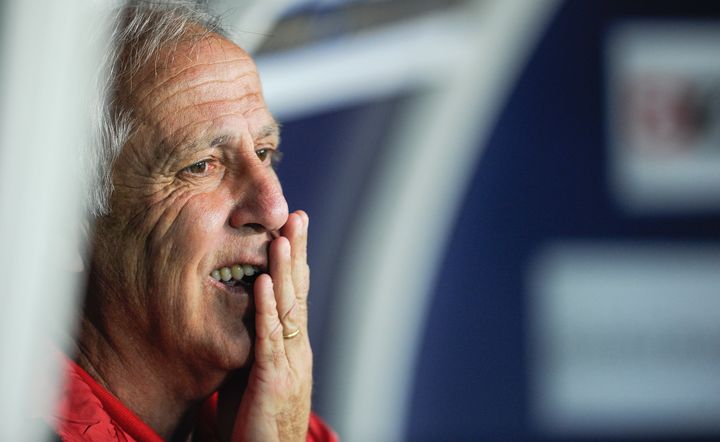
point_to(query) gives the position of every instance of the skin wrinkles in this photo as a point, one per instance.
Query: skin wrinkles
(199, 106)
(158, 189)
(136, 169)
(175, 195)
(160, 214)
(165, 123)
(164, 218)
(169, 78)
(173, 74)
(268, 135)
(233, 108)
(170, 216)
(170, 209)
(140, 176)
(223, 103)
(168, 198)
(175, 139)
(148, 87)
(200, 87)
(171, 165)
(183, 151)
(144, 187)
(170, 227)
(213, 94)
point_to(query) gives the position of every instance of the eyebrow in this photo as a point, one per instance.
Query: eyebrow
(272, 129)
(268, 130)
(219, 140)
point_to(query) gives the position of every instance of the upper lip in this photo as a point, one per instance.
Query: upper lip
(250, 252)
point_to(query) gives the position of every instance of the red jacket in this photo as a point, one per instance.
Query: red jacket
(88, 412)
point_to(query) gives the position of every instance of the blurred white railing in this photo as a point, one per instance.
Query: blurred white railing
(47, 65)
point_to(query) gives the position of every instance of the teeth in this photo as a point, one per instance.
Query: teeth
(248, 270)
(225, 274)
(236, 272)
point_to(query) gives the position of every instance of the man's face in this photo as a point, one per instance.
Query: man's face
(195, 192)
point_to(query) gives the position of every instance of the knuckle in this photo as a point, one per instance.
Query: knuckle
(290, 314)
(269, 316)
(276, 334)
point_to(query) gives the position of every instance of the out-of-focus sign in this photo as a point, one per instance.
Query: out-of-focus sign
(664, 115)
(625, 340)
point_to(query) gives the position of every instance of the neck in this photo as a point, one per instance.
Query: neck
(164, 395)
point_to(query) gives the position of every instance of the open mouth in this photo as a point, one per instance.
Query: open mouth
(238, 274)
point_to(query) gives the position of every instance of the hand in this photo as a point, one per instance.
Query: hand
(276, 402)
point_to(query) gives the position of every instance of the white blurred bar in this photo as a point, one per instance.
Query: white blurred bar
(625, 339)
(389, 61)
(47, 64)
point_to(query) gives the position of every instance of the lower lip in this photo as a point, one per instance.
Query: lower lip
(237, 289)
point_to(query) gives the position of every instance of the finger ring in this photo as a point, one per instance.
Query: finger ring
(292, 335)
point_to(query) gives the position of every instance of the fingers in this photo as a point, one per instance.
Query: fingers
(300, 268)
(281, 377)
(281, 273)
(269, 351)
(281, 297)
(296, 231)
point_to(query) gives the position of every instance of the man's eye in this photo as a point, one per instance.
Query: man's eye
(269, 154)
(199, 168)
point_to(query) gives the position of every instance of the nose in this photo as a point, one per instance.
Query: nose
(261, 204)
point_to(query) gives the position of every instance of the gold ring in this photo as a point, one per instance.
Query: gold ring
(292, 335)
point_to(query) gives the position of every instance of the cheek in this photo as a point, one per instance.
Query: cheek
(207, 213)
(184, 214)
(196, 229)
(183, 230)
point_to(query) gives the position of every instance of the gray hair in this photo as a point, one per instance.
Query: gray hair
(139, 30)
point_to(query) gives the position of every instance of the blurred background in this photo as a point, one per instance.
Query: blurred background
(515, 209)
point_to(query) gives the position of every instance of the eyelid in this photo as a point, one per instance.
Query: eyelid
(209, 166)
(274, 153)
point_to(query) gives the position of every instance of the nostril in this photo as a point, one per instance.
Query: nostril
(255, 227)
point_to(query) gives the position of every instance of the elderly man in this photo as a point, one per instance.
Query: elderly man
(195, 320)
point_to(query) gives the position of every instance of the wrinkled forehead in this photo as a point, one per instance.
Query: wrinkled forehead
(183, 60)
(197, 81)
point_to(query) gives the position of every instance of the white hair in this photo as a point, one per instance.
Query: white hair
(139, 30)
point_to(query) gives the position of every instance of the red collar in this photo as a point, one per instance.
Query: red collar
(87, 411)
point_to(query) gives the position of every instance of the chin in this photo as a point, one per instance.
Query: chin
(227, 324)
(235, 349)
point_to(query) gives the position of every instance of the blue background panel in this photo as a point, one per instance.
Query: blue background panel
(543, 177)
